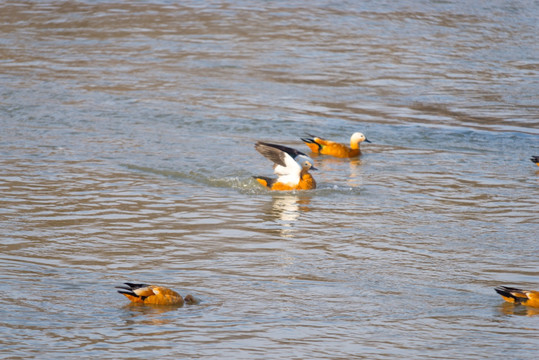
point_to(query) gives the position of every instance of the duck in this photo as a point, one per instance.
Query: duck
(535, 160)
(291, 166)
(319, 145)
(519, 296)
(153, 295)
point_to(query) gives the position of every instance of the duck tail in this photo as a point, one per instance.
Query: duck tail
(265, 181)
(311, 143)
(512, 295)
(129, 292)
(308, 140)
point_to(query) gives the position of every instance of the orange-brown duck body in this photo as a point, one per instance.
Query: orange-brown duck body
(153, 295)
(306, 182)
(519, 296)
(319, 145)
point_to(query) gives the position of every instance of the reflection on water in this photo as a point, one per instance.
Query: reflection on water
(519, 310)
(287, 208)
(355, 179)
(127, 153)
(142, 314)
(334, 170)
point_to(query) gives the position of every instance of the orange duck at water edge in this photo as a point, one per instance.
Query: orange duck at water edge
(519, 296)
(327, 147)
(535, 160)
(291, 166)
(153, 295)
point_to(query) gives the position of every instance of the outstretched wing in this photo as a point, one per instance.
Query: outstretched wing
(275, 152)
(282, 156)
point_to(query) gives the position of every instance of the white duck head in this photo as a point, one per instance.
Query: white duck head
(356, 139)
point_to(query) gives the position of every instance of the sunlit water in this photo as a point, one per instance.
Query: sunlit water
(127, 133)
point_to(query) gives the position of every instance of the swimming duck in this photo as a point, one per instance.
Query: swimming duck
(519, 296)
(327, 147)
(535, 159)
(291, 166)
(153, 295)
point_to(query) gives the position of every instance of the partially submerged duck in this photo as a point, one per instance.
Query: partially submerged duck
(154, 295)
(519, 296)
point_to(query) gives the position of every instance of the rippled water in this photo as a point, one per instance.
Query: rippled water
(127, 154)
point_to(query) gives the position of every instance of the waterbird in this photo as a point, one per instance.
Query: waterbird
(153, 295)
(535, 159)
(291, 166)
(319, 145)
(519, 296)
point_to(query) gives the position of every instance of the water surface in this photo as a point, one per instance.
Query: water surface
(127, 155)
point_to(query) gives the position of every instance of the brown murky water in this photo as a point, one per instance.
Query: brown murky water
(127, 155)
